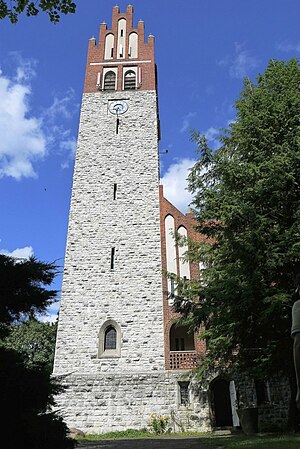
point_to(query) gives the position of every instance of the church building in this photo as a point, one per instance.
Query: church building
(119, 350)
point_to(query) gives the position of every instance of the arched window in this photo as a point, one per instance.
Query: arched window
(170, 253)
(110, 338)
(133, 45)
(110, 81)
(129, 80)
(121, 38)
(109, 46)
(181, 339)
(184, 266)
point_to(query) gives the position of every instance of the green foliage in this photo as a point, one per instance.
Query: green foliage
(263, 442)
(121, 434)
(210, 439)
(159, 424)
(26, 389)
(35, 341)
(23, 288)
(247, 203)
(26, 395)
(54, 8)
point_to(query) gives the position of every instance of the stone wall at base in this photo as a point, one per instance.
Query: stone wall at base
(273, 412)
(114, 402)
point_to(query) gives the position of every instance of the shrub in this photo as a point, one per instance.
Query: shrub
(159, 424)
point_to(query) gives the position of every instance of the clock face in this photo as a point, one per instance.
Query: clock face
(118, 107)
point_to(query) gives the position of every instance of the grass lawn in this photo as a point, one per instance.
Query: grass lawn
(259, 442)
(283, 441)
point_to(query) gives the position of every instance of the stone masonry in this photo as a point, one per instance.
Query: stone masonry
(113, 263)
(117, 393)
(112, 402)
(131, 293)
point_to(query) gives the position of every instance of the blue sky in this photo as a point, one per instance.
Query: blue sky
(203, 52)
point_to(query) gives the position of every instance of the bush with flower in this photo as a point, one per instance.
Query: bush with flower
(159, 424)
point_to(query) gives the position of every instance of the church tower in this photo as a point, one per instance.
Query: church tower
(111, 340)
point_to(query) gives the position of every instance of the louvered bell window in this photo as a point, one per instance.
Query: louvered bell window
(130, 80)
(110, 81)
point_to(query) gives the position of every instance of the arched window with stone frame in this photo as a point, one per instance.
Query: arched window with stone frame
(109, 340)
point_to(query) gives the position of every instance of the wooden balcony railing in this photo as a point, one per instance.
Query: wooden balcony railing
(183, 359)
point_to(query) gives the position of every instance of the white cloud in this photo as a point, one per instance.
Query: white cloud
(25, 70)
(211, 136)
(241, 63)
(51, 314)
(26, 138)
(211, 133)
(186, 123)
(175, 183)
(62, 108)
(22, 138)
(68, 146)
(19, 253)
(287, 47)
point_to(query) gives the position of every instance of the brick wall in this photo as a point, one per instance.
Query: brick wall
(189, 222)
(145, 53)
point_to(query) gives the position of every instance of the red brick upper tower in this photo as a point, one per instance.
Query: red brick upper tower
(121, 60)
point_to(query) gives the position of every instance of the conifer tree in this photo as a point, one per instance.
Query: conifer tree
(26, 389)
(247, 204)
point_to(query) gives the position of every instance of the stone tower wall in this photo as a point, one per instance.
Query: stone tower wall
(114, 402)
(113, 263)
(131, 293)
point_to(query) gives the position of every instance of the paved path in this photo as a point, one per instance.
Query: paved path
(155, 443)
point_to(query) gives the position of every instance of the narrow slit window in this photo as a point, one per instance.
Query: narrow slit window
(115, 191)
(117, 125)
(121, 33)
(184, 393)
(112, 52)
(112, 259)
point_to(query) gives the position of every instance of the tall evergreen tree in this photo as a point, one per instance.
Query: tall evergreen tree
(247, 203)
(26, 389)
(24, 287)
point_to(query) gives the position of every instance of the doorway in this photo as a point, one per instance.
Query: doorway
(221, 403)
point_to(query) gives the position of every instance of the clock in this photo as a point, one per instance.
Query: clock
(118, 107)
